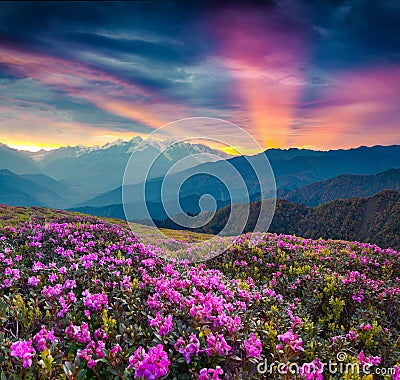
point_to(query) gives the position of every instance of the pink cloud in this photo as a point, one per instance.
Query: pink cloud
(103, 90)
(360, 109)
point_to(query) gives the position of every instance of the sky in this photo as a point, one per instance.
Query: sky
(321, 74)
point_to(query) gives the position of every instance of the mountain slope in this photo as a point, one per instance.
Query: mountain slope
(373, 219)
(71, 194)
(17, 162)
(344, 186)
(15, 197)
(17, 190)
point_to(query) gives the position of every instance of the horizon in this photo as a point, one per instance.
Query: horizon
(290, 73)
(35, 149)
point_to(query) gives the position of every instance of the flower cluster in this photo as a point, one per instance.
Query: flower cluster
(42, 337)
(217, 344)
(82, 297)
(373, 360)
(292, 340)
(312, 371)
(188, 349)
(151, 365)
(79, 334)
(210, 373)
(23, 349)
(163, 324)
(253, 346)
(95, 302)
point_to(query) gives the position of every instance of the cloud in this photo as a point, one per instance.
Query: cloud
(361, 108)
(81, 81)
(281, 69)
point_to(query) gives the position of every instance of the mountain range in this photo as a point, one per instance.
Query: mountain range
(341, 187)
(89, 171)
(293, 169)
(348, 194)
(89, 178)
(100, 169)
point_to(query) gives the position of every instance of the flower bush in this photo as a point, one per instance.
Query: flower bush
(81, 298)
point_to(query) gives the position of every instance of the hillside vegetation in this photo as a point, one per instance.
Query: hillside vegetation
(373, 219)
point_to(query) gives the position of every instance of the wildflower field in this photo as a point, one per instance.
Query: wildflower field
(81, 298)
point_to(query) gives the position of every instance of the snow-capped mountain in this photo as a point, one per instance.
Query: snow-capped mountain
(101, 168)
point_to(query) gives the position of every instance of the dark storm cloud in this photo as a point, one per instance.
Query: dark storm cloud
(154, 24)
(356, 32)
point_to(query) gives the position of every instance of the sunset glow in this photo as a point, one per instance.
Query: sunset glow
(291, 76)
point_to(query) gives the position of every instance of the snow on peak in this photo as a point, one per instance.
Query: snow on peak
(118, 142)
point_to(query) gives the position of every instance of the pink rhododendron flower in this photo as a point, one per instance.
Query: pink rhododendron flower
(374, 360)
(151, 365)
(100, 334)
(96, 301)
(79, 334)
(187, 350)
(70, 284)
(292, 340)
(206, 372)
(358, 297)
(396, 374)
(312, 371)
(365, 327)
(253, 346)
(163, 324)
(352, 336)
(117, 348)
(23, 349)
(42, 336)
(33, 281)
(217, 344)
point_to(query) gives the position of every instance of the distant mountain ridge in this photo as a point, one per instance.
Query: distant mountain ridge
(344, 186)
(292, 168)
(92, 176)
(16, 161)
(16, 190)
